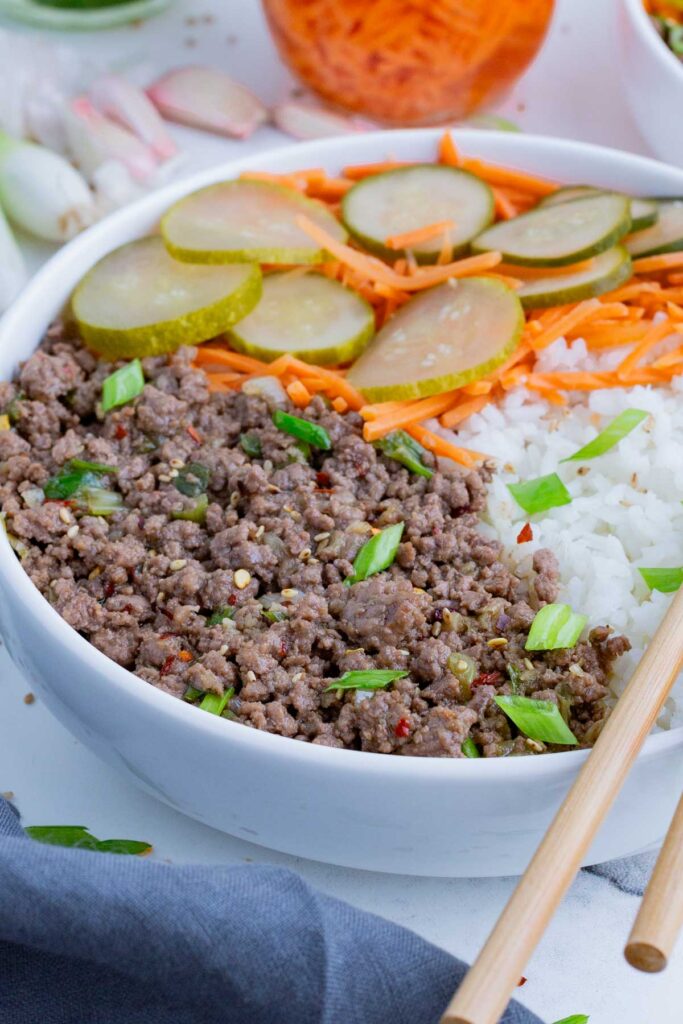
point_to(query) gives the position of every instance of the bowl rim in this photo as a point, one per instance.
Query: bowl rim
(651, 38)
(14, 579)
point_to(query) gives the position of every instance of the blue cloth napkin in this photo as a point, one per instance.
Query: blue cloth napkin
(95, 938)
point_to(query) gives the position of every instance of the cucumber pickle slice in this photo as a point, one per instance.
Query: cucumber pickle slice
(643, 211)
(664, 236)
(607, 271)
(444, 338)
(240, 221)
(139, 301)
(410, 198)
(554, 236)
(310, 316)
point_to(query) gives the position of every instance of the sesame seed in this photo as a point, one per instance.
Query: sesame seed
(95, 573)
(176, 463)
(534, 745)
(261, 530)
(289, 592)
(267, 466)
(297, 677)
(251, 676)
(241, 578)
(173, 474)
(234, 499)
(65, 515)
(529, 664)
(305, 554)
(354, 650)
(177, 564)
(273, 489)
(461, 665)
(223, 649)
(436, 629)
(161, 597)
(314, 561)
(321, 536)
(576, 670)
(72, 531)
(498, 641)
(164, 478)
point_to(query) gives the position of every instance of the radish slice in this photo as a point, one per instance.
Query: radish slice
(208, 99)
(122, 101)
(138, 301)
(245, 220)
(554, 236)
(409, 198)
(92, 140)
(305, 121)
(445, 338)
(309, 316)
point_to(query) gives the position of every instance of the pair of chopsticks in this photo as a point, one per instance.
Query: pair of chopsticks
(486, 988)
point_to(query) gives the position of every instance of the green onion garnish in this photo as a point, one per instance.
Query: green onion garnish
(303, 430)
(192, 480)
(92, 467)
(196, 514)
(59, 488)
(376, 554)
(220, 615)
(98, 501)
(665, 580)
(555, 626)
(192, 693)
(123, 385)
(613, 433)
(540, 494)
(370, 679)
(251, 445)
(537, 719)
(515, 676)
(216, 703)
(79, 838)
(576, 1018)
(470, 748)
(275, 614)
(403, 448)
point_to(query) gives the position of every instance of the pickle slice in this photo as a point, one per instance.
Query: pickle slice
(643, 211)
(139, 301)
(445, 338)
(607, 270)
(309, 316)
(554, 236)
(410, 198)
(243, 221)
(664, 236)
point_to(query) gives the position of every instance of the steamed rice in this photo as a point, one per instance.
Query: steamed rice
(626, 510)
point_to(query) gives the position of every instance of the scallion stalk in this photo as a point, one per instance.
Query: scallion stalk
(555, 626)
(665, 580)
(538, 719)
(540, 494)
(620, 427)
(302, 429)
(366, 679)
(376, 554)
(403, 448)
(216, 703)
(470, 748)
(122, 385)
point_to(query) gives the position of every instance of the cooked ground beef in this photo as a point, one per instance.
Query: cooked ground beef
(281, 531)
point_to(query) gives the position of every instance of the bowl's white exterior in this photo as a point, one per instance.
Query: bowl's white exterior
(652, 78)
(411, 815)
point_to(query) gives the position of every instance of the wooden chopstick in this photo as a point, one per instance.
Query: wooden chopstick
(660, 917)
(486, 988)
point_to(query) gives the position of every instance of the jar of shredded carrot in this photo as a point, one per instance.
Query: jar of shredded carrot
(409, 61)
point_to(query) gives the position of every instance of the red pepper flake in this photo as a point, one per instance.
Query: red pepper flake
(185, 656)
(525, 534)
(487, 679)
(120, 432)
(109, 588)
(324, 490)
(167, 665)
(232, 600)
(322, 479)
(522, 981)
(195, 435)
(402, 728)
(284, 648)
(59, 501)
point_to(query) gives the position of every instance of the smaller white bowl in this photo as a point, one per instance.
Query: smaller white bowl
(652, 77)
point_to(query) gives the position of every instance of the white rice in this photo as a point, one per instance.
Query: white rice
(626, 510)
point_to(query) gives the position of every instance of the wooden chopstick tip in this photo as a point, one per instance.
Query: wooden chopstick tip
(645, 957)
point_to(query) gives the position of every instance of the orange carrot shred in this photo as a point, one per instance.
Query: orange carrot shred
(448, 151)
(299, 394)
(409, 239)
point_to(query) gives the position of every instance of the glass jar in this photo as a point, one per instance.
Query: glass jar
(409, 62)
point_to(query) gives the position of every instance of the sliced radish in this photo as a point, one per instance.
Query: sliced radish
(209, 99)
(309, 316)
(138, 301)
(306, 121)
(122, 101)
(245, 220)
(92, 140)
(445, 338)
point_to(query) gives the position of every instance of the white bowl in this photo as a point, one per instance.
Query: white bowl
(652, 78)
(410, 815)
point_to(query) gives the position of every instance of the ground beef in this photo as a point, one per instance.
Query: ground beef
(253, 598)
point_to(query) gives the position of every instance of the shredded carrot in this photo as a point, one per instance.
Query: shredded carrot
(359, 171)
(299, 394)
(656, 333)
(462, 411)
(409, 239)
(534, 273)
(504, 206)
(507, 176)
(448, 151)
(208, 355)
(412, 412)
(652, 264)
(340, 404)
(579, 314)
(440, 446)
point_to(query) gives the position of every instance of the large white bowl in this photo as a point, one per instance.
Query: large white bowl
(652, 78)
(412, 815)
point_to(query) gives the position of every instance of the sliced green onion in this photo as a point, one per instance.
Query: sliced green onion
(93, 467)
(400, 446)
(515, 677)
(376, 554)
(79, 838)
(220, 615)
(576, 1018)
(216, 703)
(470, 748)
(665, 580)
(370, 679)
(251, 445)
(192, 480)
(122, 385)
(275, 614)
(192, 693)
(303, 430)
(555, 626)
(196, 514)
(59, 488)
(98, 501)
(540, 494)
(464, 668)
(613, 433)
(537, 719)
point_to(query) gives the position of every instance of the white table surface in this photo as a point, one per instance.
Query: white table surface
(572, 90)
